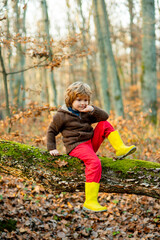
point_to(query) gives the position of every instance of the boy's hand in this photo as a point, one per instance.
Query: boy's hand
(88, 108)
(54, 152)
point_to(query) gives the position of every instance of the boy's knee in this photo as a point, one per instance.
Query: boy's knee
(102, 125)
(105, 126)
(97, 164)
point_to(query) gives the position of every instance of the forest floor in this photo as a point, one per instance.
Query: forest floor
(28, 211)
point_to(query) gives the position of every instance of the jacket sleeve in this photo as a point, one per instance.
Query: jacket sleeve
(53, 130)
(98, 115)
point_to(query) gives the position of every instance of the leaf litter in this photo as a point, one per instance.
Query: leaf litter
(28, 211)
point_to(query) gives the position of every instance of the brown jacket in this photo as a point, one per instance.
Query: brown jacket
(75, 129)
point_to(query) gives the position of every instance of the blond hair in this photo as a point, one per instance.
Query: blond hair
(77, 89)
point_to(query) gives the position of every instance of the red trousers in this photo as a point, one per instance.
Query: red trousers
(87, 151)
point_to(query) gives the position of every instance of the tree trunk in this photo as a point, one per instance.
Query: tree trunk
(11, 94)
(44, 84)
(149, 77)
(114, 78)
(132, 47)
(103, 59)
(5, 84)
(46, 23)
(65, 173)
(19, 58)
(23, 59)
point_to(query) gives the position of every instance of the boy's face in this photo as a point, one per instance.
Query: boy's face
(80, 103)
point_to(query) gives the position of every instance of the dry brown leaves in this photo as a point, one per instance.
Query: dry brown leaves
(49, 215)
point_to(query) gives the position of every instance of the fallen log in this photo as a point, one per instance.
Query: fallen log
(65, 173)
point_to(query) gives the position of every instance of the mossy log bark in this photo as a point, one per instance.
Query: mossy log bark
(64, 173)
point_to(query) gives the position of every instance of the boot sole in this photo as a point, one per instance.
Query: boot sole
(87, 209)
(130, 152)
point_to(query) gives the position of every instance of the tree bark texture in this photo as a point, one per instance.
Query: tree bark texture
(5, 84)
(46, 25)
(23, 60)
(65, 173)
(133, 60)
(11, 94)
(112, 68)
(19, 80)
(149, 77)
(103, 59)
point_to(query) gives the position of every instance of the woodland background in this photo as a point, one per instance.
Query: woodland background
(114, 46)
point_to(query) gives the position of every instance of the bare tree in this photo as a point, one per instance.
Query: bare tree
(149, 77)
(103, 58)
(132, 47)
(19, 60)
(46, 22)
(5, 83)
(112, 69)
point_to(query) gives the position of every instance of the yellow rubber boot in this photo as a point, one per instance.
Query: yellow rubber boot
(91, 194)
(121, 149)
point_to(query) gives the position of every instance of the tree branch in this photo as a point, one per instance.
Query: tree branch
(26, 69)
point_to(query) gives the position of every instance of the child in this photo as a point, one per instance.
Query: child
(74, 121)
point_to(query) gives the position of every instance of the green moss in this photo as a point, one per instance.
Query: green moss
(20, 154)
(20, 151)
(126, 165)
